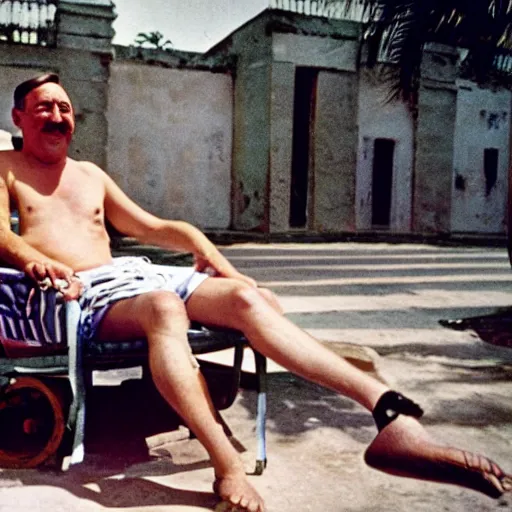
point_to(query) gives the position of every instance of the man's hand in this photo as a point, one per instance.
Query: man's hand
(216, 265)
(57, 275)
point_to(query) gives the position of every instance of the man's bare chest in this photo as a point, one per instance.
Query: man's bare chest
(44, 200)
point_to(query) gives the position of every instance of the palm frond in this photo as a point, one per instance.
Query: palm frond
(153, 39)
(397, 30)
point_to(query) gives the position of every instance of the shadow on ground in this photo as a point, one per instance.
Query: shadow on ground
(119, 472)
(118, 463)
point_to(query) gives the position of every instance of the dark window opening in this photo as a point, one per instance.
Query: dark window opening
(303, 108)
(491, 158)
(460, 182)
(382, 181)
(30, 22)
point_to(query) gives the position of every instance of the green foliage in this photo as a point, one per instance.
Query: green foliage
(153, 40)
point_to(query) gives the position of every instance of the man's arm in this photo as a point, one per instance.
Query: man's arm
(15, 251)
(130, 219)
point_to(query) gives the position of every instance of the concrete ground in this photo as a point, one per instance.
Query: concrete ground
(377, 304)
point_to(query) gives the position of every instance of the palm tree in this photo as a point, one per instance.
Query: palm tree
(401, 28)
(154, 39)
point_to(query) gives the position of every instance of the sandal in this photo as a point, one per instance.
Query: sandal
(390, 405)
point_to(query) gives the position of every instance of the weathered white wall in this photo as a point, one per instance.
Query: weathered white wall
(281, 135)
(434, 140)
(251, 128)
(334, 152)
(483, 121)
(169, 142)
(314, 51)
(378, 118)
(333, 148)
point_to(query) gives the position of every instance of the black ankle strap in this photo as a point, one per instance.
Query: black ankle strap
(390, 405)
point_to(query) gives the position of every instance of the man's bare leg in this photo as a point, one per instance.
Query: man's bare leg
(402, 447)
(162, 318)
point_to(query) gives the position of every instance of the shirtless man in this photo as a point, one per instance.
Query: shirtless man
(62, 206)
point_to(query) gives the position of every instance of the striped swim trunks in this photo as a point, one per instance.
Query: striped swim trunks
(36, 316)
(28, 313)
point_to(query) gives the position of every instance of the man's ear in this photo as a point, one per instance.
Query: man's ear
(15, 113)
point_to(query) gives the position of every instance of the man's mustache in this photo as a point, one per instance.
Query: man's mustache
(51, 127)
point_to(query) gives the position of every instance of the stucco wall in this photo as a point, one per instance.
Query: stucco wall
(251, 145)
(379, 118)
(169, 142)
(316, 51)
(437, 106)
(281, 130)
(268, 51)
(434, 160)
(185, 142)
(483, 121)
(334, 152)
(331, 154)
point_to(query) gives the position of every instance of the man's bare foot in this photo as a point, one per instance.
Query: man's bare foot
(238, 494)
(404, 448)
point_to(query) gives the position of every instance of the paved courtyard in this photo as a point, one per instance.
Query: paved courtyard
(379, 305)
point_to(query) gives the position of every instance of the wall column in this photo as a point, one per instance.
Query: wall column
(85, 26)
(437, 109)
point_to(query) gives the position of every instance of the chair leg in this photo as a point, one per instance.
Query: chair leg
(76, 415)
(261, 374)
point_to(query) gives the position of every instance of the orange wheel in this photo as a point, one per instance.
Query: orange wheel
(32, 422)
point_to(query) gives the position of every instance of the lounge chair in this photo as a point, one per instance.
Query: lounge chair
(39, 409)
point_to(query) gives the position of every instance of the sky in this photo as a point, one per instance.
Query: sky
(192, 25)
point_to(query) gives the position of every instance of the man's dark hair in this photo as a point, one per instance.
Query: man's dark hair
(25, 87)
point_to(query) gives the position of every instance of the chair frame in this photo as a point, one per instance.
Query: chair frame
(78, 362)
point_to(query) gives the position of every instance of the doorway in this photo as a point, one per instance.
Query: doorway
(382, 182)
(303, 121)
